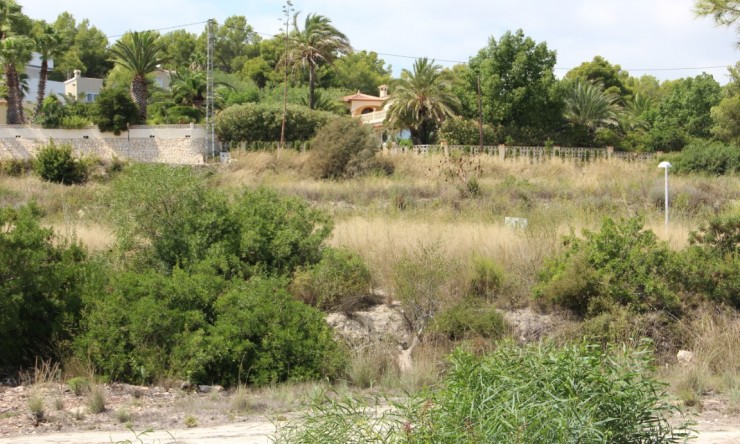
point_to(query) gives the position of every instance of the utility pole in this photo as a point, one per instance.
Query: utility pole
(287, 9)
(210, 127)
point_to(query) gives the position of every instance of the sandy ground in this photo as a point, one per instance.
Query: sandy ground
(214, 417)
(260, 431)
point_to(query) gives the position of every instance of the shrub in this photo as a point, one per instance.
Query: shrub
(42, 282)
(262, 335)
(57, 164)
(373, 363)
(461, 131)
(343, 148)
(114, 110)
(340, 281)
(78, 385)
(167, 216)
(15, 167)
(533, 394)
(712, 262)
(469, 319)
(260, 122)
(621, 264)
(202, 327)
(74, 122)
(137, 329)
(96, 400)
(707, 157)
(425, 280)
(487, 277)
(543, 394)
(36, 407)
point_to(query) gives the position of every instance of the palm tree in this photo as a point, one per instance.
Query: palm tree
(49, 46)
(15, 51)
(587, 105)
(318, 42)
(189, 87)
(422, 99)
(140, 53)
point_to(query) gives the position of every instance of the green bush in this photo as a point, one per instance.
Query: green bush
(344, 148)
(340, 281)
(517, 394)
(78, 385)
(262, 335)
(425, 280)
(469, 319)
(57, 164)
(16, 167)
(707, 157)
(137, 328)
(75, 122)
(52, 113)
(114, 110)
(262, 123)
(167, 216)
(487, 277)
(621, 264)
(545, 394)
(712, 261)
(461, 131)
(42, 282)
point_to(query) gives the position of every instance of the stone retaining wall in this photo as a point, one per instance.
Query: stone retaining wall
(185, 145)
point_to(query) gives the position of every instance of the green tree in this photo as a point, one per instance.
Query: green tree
(48, 44)
(613, 78)
(180, 46)
(318, 42)
(188, 87)
(588, 106)
(234, 43)
(422, 100)
(518, 85)
(114, 110)
(684, 112)
(41, 287)
(91, 47)
(139, 53)
(724, 12)
(361, 71)
(15, 52)
(726, 115)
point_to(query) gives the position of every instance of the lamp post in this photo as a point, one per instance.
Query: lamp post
(665, 165)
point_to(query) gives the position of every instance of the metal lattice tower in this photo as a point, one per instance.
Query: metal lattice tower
(210, 95)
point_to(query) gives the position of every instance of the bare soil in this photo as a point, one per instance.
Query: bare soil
(160, 415)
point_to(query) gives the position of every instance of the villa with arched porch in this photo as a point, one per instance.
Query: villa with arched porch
(371, 110)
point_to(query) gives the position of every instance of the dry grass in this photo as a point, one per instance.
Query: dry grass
(714, 338)
(95, 237)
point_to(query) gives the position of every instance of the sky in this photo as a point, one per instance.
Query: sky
(653, 37)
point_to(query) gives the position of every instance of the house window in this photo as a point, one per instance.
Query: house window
(90, 97)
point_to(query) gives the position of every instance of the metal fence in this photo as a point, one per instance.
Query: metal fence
(533, 153)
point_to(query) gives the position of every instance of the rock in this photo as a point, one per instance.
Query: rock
(528, 325)
(684, 357)
(381, 322)
(210, 388)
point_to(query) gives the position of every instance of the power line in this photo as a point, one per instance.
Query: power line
(384, 54)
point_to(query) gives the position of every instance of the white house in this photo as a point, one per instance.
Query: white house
(33, 70)
(85, 89)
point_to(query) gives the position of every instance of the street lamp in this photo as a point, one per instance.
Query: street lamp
(665, 165)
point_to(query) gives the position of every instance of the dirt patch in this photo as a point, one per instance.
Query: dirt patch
(161, 415)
